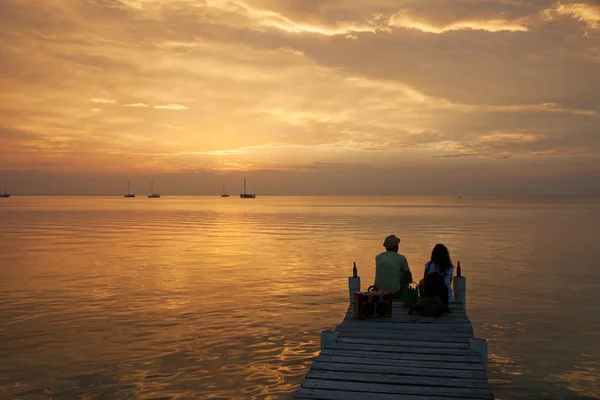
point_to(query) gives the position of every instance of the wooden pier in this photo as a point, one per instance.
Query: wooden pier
(402, 357)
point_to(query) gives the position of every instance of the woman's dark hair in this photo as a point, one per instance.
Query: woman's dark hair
(440, 256)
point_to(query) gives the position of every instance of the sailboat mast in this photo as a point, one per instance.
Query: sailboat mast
(128, 187)
(152, 186)
(244, 185)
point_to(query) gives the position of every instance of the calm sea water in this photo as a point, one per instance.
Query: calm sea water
(224, 298)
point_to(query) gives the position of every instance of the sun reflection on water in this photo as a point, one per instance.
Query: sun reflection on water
(226, 299)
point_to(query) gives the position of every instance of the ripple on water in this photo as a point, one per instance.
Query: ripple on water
(194, 297)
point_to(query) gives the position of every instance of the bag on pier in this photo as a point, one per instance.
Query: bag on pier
(435, 286)
(430, 307)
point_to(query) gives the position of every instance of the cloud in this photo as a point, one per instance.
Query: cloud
(458, 155)
(103, 101)
(171, 107)
(276, 85)
(403, 20)
(587, 13)
(136, 105)
(260, 18)
(292, 51)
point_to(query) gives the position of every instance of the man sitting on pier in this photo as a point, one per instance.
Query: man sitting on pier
(391, 269)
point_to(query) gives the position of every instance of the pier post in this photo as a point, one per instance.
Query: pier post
(460, 290)
(353, 284)
(480, 346)
(328, 338)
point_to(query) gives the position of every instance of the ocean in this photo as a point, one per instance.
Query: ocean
(224, 298)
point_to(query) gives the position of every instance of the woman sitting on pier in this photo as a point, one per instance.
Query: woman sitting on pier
(437, 279)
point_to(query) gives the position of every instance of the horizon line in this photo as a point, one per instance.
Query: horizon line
(319, 195)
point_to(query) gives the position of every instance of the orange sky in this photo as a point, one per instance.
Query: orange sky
(303, 96)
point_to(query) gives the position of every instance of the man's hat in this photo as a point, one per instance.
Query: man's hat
(391, 241)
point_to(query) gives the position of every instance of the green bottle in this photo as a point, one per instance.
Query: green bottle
(410, 295)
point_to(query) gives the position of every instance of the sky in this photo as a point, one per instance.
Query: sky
(302, 97)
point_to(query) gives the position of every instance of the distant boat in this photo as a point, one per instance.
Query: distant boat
(153, 195)
(5, 195)
(129, 194)
(223, 193)
(245, 195)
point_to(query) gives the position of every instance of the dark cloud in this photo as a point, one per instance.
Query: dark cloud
(458, 155)
(8, 134)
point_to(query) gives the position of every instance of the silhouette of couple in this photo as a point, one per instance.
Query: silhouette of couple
(393, 274)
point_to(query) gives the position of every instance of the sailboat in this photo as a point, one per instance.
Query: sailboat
(224, 193)
(129, 194)
(5, 195)
(153, 195)
(245, 195)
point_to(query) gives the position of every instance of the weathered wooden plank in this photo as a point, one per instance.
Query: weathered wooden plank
(399, 308)
(416, 329)
(419, 337)
(396, 307)
(384, 324)
(416, 322)
(451, 304)
(476, 367)
(398, 390)
(354, 352)
(403, 317)
(401, 301)
(412, 370)
(405, 333)
(323, 394)
(397, 349)
(405, 342)
(405, 320)
(392, 379)
(404, 313)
